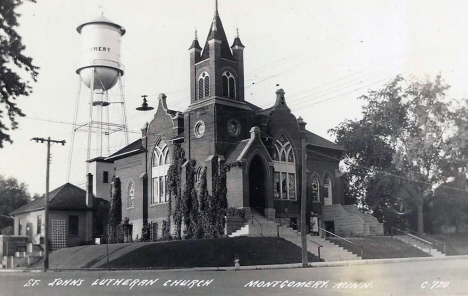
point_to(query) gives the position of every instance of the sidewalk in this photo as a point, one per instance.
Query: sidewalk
(260, 267)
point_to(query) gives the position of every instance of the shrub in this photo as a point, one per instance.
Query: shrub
(145, 234)
(235, 212)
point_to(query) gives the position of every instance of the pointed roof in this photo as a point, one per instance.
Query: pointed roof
(237, 41)
(65, 197)
(195, 44)
(217, 33)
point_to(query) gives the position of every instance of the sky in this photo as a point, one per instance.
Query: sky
(324, 54)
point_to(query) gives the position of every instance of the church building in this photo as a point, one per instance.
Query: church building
(262, 147)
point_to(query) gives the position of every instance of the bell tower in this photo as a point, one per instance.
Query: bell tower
(218, 69)
(218, 116)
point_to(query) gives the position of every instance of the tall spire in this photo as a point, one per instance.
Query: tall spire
(216, 7)
(195, 44)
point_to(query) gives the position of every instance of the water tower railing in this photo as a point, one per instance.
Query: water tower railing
(105, 63)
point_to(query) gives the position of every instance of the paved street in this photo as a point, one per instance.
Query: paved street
(440, 277)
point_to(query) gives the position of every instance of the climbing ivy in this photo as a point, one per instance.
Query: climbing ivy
(115, 211)
(202, 214)
(174, 187)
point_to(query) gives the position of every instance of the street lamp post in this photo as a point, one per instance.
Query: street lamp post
(144, 107)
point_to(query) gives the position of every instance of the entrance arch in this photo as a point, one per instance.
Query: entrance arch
(257, 183)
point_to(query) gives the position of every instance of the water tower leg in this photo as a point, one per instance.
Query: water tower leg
(90, 122)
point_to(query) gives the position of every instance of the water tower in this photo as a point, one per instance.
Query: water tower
(100, 70)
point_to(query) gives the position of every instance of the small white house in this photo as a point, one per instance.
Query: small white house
(70, 218)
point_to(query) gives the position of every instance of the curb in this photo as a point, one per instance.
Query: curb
(258, 267)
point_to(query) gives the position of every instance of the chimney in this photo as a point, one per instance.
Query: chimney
(144, 134)
(89, 191)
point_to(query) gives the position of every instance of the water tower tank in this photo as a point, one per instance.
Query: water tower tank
(100, 51)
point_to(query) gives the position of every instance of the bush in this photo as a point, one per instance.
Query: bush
(145, 234)
(235, 212)
(7, 230)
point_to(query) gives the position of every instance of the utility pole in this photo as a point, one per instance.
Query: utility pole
(303, 207)
(46, 207)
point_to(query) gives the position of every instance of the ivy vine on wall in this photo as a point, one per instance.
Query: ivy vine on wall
(202, 214)
(175, 188)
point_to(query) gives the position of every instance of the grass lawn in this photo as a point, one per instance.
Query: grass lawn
(180, 254)
(380, 247)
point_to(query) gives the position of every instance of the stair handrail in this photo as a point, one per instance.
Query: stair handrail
(342, 238)
(413, 236)
(261, 227)
(297, 232)
(429, 238)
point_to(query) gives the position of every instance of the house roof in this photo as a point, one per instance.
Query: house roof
(65, 197)
(314, 140)
(132, 147)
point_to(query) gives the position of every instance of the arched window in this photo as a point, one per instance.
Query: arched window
(198, 174)
(315, 188)
(160, 165)
(284, 179)
(203, 86)
(130, 194)
(229, 85)
(327, 190)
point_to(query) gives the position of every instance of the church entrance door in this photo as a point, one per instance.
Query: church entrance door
(257, 182)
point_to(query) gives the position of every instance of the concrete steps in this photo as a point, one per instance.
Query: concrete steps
(328, 252)
(420, 245)
(260, 226)
(375, 227)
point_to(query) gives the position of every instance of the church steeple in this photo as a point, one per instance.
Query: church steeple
(218, 69)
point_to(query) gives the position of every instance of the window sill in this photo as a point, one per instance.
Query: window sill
(283, 199)
(157, 204)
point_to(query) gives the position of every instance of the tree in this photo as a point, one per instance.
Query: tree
(12, 196)
(115, 211)
(402, 148)
(449, 206)
(13, 65)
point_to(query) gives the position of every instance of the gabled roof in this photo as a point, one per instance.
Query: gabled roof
(217, 32)
(314, 140)
(236, 151)
(65, 197)
(135, 147)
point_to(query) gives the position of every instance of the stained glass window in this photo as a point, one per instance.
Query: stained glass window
(285, 168)
(161, 163)
(327, 190)
(284, 186)
(276, 185)
(292, 186)
(131, 194)
(315, 188)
